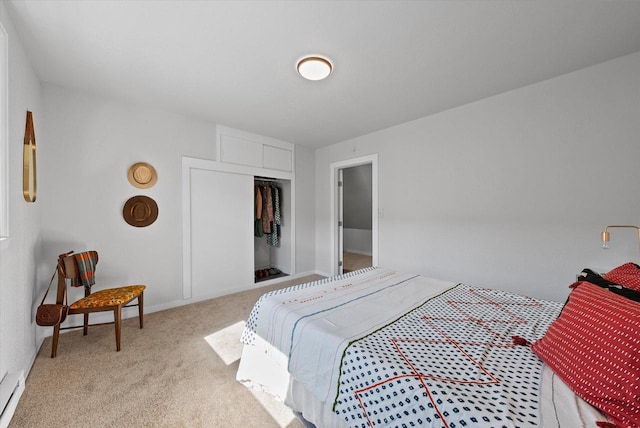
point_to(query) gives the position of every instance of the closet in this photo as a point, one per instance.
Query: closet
(222, 253)
(272, 237)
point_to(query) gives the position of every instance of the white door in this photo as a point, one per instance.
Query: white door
(222, 207)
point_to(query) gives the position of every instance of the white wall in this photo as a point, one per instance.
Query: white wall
(357, 235)
(357, 197)
(509, 192)
(91, 142)
(358, 241)
(305, 210)
(20, 256)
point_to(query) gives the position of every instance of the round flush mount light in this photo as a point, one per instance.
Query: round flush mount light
(314, 67)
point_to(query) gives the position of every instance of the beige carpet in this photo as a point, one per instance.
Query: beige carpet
(179, 371)
(353, 261)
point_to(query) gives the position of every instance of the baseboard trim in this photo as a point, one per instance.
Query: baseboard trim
(364, 253)
(133, 312)
(325, 274)
(11, 389)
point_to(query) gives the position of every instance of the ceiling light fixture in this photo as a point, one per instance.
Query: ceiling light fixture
(314, 67)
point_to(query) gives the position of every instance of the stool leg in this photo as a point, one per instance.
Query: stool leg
(117, 317)
(140, 308)
(85, 330)
(54, 342)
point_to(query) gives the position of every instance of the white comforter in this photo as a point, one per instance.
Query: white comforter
(296, 338)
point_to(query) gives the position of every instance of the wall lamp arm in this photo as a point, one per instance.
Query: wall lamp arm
(605, 236)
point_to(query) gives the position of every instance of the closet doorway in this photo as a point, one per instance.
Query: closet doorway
(272, 231)
(355, 219)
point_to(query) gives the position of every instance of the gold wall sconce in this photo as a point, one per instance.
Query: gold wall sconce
(29, 181)
(605, 236)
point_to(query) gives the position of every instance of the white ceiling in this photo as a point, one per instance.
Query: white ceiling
(233, 62)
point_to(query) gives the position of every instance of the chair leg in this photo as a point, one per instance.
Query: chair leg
(54, 342)
(117, 317)
(140, 308)
(85, 330)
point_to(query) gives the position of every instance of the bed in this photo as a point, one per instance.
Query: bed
(378, 347)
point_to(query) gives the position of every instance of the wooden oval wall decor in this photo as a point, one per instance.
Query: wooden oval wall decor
(29, 181)
(140, 211)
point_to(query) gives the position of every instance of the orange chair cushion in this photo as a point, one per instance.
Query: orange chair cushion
(109, 297)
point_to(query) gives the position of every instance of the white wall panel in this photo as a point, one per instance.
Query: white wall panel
(305, 210)
(277, 158)
(221, 232)
(358, 241)
(22, 267)
(240, 151)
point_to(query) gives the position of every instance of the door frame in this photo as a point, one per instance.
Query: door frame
(334, 206)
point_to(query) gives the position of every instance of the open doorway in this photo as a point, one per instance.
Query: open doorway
(357, 225)
(355, 219)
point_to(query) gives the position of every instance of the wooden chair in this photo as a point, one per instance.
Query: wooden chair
(112, 299)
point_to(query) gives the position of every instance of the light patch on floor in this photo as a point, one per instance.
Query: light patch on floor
(226, 342)
(276, 408)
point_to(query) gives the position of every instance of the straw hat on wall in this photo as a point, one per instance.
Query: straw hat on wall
(142, 175)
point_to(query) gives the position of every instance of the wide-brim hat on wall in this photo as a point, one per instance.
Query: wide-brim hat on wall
(140, 211)
(142, 175)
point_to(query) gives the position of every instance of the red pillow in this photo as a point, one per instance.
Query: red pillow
(594, 347)
(627, 274)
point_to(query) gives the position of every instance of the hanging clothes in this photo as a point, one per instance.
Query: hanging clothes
(268, 213)
(258, 232)
(273, 238)
(267, 209)
(258, 203)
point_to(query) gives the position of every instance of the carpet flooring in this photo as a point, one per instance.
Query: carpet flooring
(353, 261)
(178, 371)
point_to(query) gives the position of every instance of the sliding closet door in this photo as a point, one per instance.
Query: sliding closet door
(222, 207)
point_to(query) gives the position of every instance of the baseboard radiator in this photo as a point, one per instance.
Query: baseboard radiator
(11, 389)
